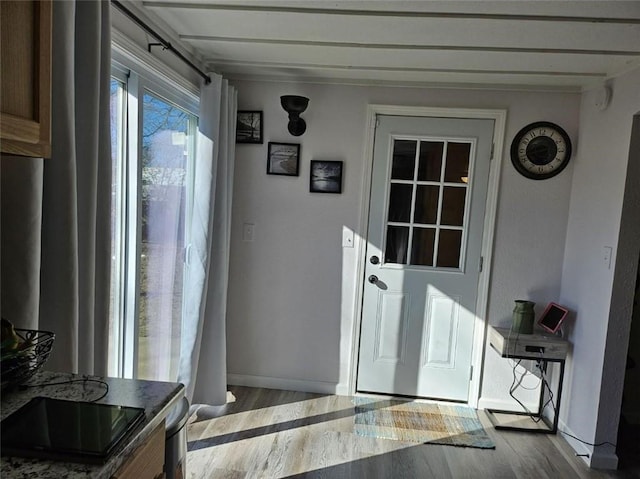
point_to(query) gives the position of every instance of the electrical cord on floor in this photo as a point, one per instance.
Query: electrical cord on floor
(596, 444)
(515, 384)
(555, 411)
(73, 381)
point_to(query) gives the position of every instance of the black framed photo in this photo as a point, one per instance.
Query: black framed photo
(249, 127)
(283, 158)
(325, 176)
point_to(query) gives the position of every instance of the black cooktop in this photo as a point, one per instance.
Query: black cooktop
(64, 430)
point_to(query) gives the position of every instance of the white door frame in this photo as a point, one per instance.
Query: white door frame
(480, 327)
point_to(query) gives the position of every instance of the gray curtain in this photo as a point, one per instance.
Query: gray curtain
(56, 277)
(203, 362)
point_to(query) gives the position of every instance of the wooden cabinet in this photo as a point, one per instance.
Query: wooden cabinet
(25, 66)
(147, 462)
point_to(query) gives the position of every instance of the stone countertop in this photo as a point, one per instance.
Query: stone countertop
(156, 397)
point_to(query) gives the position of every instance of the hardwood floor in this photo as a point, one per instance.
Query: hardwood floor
(284, 434)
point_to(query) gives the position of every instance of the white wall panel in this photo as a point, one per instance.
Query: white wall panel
(391, 327)
(440, 336)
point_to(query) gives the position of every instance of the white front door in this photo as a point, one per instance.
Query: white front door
(426, 217)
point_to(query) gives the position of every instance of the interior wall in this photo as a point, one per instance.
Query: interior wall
(291, 308)
(600, 327)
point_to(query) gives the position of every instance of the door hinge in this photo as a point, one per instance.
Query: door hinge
(471, 374)
(493, 147)
(481, 264)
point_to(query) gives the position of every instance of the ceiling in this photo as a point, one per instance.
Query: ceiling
(567, 45)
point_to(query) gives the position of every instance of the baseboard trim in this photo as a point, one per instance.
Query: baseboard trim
(501, 405)
(595, 458)
(267, 382)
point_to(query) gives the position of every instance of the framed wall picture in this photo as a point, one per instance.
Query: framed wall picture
(325, 176)
(249, 127)
(283, 159)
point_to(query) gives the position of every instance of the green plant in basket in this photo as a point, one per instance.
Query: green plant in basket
(11, 344)
(14, 356)
(22, 353)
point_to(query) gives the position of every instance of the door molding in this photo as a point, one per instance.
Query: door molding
(480, 327)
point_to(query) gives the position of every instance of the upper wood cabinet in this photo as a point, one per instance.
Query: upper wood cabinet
(25, 66)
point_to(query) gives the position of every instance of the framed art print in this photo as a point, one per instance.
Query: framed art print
(283, 159)
(325, 176)
(249, 127)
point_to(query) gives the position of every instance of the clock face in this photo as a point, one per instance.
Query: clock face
(540, 150)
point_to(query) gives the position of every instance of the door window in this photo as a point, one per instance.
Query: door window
(427, 204)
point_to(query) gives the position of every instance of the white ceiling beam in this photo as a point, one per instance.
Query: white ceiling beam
(377, 31)
(407, 78)
(373, 68)
(365, 12)
(214, 52)
(403, 46)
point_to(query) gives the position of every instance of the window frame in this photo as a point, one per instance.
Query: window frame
(138, 80)
(115, 365)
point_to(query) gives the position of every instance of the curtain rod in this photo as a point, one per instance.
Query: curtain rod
(165, 44)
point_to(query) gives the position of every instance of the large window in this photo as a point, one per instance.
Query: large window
(152, 134)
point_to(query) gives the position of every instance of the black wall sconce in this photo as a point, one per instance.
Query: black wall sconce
(294, 105)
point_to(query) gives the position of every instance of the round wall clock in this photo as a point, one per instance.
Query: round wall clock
(540, 150)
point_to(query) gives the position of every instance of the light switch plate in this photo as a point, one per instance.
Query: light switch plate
(347, 237)
(607, 251)
(248, 231)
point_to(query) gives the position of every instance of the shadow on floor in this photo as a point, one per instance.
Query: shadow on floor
(239, 403)
(403, 463)
(258, 399)
(269, 429)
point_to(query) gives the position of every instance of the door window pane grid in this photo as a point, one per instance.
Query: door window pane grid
(429, 231)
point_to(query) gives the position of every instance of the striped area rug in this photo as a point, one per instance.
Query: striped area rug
(420, 422)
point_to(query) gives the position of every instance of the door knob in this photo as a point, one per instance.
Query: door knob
(373, 279)
(374, 260)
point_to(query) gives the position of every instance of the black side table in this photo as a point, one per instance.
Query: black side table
(539, 347)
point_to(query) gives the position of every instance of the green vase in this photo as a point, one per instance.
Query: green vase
(523, 316)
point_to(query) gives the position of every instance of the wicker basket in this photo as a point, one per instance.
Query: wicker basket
(19, 366)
